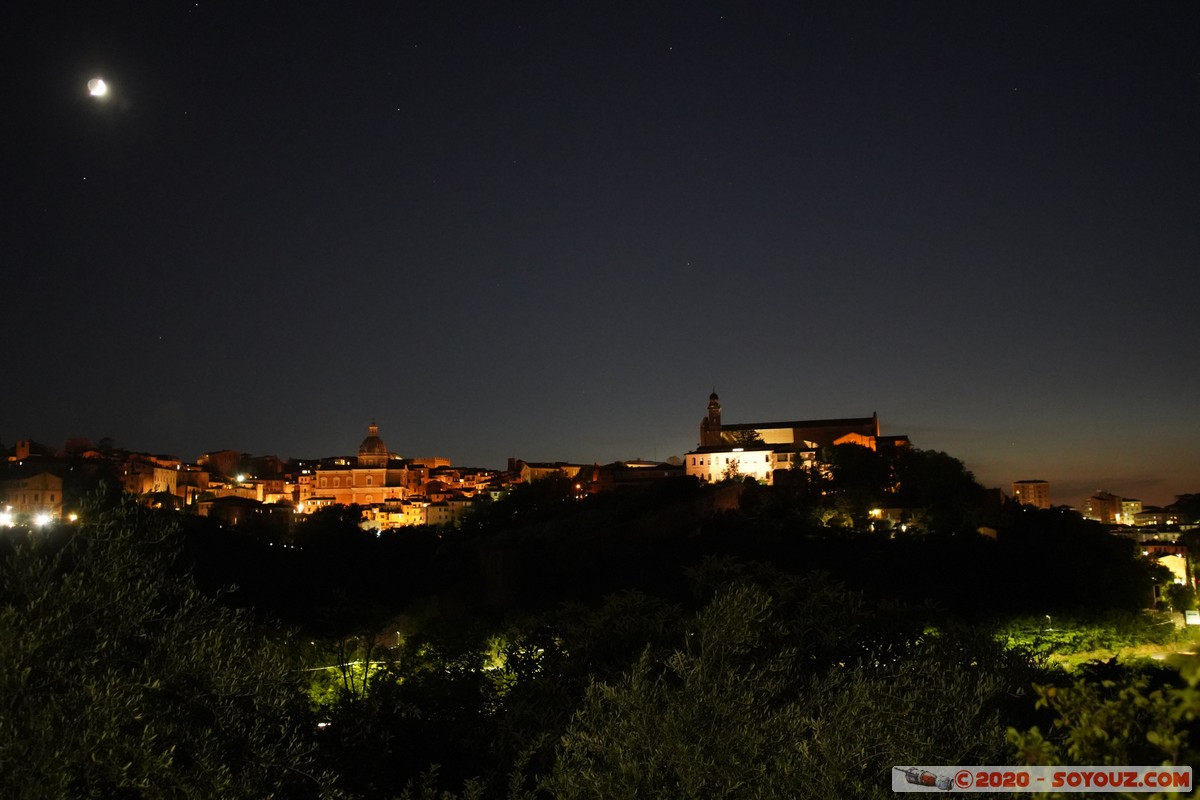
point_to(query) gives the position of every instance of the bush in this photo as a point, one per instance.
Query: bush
(1111, 722)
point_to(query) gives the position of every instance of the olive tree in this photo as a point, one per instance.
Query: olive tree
(122, 680)
(764, 699)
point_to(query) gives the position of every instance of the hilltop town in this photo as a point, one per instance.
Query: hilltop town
(853, 471)
(40, 483)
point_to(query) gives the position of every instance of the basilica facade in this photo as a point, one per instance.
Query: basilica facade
(374, 476)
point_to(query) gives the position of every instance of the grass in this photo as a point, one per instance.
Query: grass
(1185, 640)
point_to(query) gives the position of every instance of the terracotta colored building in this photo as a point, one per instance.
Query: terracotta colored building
(1032, 493)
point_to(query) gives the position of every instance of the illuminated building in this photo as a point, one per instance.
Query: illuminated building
(144, 474)
(760, 449)
(1173, 556)
(1112, 510)
(1129, 511)
(1032, 493)
(530, 471)
(816, 432)
(190, 483)
(1153, 516)
(711, 464)
(417, 510)
(36, 492)
(374, 476)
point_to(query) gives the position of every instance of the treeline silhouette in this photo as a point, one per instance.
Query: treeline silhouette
(542, 545)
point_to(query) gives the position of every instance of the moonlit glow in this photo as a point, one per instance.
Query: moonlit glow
(97, 87)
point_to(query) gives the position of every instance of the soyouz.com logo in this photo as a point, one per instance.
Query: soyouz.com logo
(1041, 779)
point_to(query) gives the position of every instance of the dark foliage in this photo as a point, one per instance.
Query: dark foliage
(122, 680)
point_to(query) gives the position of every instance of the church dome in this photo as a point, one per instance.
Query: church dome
(372, 445)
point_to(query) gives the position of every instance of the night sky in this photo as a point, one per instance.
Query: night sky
(549, 230)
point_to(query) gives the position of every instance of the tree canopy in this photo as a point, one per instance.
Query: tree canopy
(122, 680)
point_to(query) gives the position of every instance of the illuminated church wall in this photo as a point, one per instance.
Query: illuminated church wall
(759, 449)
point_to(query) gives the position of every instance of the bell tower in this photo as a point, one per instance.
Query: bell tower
(710, 426)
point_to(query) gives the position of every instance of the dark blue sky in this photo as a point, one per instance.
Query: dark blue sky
(550, 230)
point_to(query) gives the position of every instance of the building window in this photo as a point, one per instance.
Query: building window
(370, 481)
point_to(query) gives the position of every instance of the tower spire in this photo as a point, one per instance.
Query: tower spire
(710, 426)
